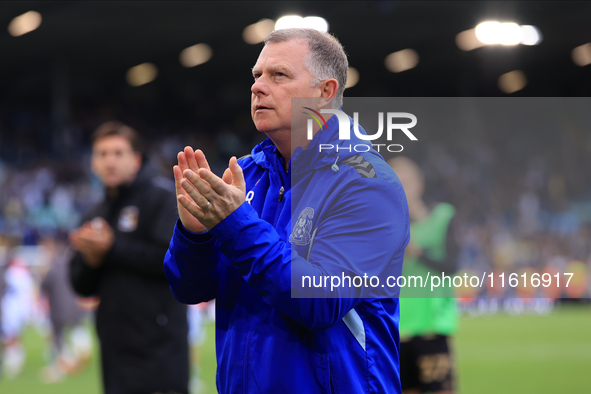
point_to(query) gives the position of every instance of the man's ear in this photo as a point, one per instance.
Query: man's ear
(328, 91)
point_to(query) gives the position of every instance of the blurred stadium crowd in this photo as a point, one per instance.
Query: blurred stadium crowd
(523, 199)
(521, 202)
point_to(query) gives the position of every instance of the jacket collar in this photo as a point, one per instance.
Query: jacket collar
(302, 161)
(311, 158)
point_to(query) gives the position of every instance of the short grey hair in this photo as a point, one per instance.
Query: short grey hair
(326, 58)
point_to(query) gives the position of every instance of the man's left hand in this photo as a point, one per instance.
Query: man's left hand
(212, 199)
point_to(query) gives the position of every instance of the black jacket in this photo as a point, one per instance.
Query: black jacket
(142, 328)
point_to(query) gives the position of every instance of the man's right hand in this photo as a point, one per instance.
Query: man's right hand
(188, 160)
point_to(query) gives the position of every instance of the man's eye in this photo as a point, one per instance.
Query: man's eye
(256, 76)
(280, 75)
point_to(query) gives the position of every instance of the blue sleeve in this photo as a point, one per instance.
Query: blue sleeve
(190, 266)
(360, 235)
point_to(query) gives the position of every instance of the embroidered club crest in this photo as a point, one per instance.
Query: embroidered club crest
(300, 235)
(128, 219)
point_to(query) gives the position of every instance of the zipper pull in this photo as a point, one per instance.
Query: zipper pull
(281, 191)
(335, 167)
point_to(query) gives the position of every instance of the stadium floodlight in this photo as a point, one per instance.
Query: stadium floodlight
(24, 23)
(467, 40)
(507, 33)
(257, 32)
(486, 32)
(512, 81)
(352, 77)
(581, 55)
(288, 22)
(195, 55)
(531, 35)
(316, 23)
(401, 60)
(311, 22)
(141, 74)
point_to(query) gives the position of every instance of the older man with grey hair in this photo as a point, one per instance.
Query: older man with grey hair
(286, 213)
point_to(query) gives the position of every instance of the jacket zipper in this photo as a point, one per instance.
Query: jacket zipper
(310, 244)
(281, 191)
(279, 205)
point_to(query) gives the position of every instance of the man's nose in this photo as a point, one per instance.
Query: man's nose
(259, 87)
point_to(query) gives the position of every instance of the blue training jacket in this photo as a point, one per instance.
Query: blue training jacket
(350, 218)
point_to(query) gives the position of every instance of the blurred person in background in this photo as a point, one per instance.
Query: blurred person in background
(426, 324)
(71, 341)
(18, 303)
(196, 317)
(4, 246)
(142, 329)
